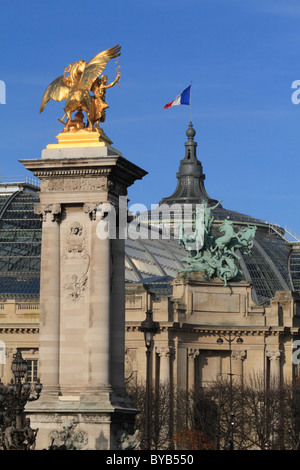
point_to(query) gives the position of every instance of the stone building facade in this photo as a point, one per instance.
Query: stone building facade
(185, 351)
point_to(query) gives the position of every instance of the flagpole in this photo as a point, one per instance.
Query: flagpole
(191, 103)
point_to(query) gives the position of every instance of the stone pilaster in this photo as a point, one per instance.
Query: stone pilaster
(238, 357)
(165, 354)
(274, 356)
(192, 354)
(50, 299)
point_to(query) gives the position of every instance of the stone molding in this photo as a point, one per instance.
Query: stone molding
(66, 173)
(19, 329)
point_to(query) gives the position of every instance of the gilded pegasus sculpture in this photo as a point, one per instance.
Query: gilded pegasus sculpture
(75, 85)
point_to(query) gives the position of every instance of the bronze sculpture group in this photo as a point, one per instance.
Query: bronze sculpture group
(216, 256)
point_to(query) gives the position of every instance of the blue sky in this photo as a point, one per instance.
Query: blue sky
(241, 55)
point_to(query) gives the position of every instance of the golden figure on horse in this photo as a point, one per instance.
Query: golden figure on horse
(75, 85)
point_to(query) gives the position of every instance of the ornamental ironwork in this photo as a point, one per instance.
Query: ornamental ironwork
(15, 429)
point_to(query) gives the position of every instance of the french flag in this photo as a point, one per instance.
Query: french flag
(183, 98)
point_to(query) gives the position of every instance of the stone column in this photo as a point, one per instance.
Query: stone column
(275, 373)
(192, 354)
(49, 299)
(165, 353)
(238, 357)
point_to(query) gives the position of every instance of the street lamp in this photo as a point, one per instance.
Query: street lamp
(19, 367)
(13, 398)
(230, 340)
(149, 328)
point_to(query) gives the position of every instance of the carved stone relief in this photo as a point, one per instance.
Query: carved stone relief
(43, 209)
(238, 355)
(130, 363)
(76, 249)
(68, 438)
(74, 419)
(90, 208)
(127, 441)
(74, 184)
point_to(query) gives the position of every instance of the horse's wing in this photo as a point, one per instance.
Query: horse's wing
(57, 90)
(96, 66)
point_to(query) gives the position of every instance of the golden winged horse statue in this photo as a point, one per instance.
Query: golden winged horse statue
(75, 85)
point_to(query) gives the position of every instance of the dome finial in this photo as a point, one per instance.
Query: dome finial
(190, 133)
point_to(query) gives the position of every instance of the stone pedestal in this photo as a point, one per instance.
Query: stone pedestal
(82, 294)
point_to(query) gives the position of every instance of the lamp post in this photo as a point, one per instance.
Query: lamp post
(13, 398)
(230, 340)
(149, 328)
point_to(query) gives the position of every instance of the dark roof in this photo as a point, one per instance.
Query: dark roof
(20, 242)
